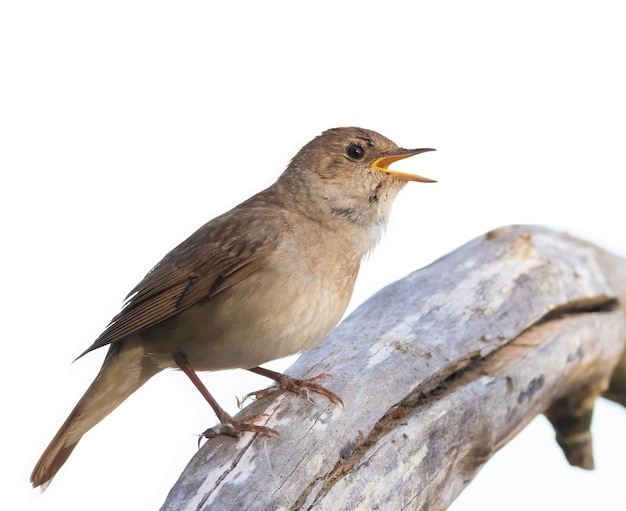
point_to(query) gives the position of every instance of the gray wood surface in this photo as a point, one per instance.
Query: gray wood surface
(437, 372)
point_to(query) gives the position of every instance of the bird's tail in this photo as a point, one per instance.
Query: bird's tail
(124, 370)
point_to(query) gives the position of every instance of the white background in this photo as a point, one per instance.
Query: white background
(126, 125)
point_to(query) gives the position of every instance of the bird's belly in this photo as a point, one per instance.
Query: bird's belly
(246, 327)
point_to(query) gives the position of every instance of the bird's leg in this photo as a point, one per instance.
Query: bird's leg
(294, 385)
(229, 425)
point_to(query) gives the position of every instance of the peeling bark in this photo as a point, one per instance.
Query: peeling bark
(438, 371)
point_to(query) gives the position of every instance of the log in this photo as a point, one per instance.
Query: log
(437, 371)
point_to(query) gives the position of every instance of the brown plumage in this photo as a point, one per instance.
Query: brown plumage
(266, 279)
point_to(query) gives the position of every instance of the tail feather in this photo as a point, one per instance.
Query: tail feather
(55, 455)
(124, 370)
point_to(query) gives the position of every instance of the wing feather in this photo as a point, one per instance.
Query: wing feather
(218, 255)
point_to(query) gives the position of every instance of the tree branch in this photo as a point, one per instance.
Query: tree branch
(438, 371)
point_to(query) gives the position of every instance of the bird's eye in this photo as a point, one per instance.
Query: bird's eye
(356, 152)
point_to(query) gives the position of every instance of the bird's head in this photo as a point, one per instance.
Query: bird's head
(345, 172)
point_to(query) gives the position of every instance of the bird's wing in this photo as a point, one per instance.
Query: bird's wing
(217, 256)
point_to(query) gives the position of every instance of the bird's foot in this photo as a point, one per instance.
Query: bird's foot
(292, 385)
(304, 386)
(232, 427)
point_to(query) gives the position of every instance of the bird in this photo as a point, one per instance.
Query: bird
(267, 279)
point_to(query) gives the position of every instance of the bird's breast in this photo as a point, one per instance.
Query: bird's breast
(288, 305)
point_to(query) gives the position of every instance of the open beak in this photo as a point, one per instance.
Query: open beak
(383, 163)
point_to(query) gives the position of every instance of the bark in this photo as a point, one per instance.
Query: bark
(437, 372)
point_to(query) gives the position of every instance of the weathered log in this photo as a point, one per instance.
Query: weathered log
(615, 270)
(438, 371)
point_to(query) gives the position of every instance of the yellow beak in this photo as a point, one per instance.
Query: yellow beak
(383, 163)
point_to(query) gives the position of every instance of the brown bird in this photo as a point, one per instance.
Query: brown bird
(267, 279)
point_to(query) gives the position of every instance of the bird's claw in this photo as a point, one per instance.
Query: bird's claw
(304, 386)
(301, 387)
(236, 428)
(258, 394)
